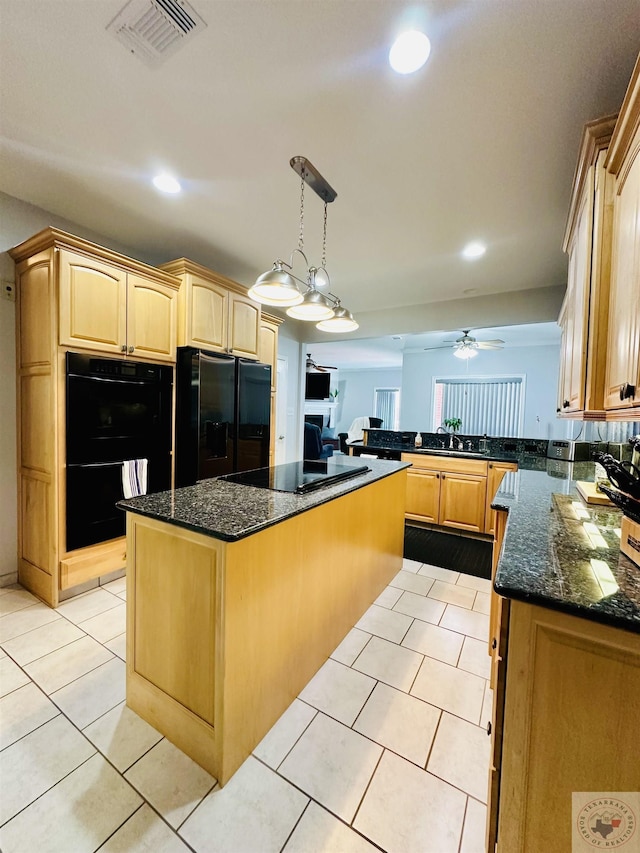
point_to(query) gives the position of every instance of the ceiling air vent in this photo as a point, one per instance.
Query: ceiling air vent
(153, 30)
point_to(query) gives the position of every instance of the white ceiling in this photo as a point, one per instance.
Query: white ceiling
(479, 144)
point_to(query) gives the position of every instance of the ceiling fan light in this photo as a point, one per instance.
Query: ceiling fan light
(312, 308)
(342, 321)
(465, 352)
(276, 287)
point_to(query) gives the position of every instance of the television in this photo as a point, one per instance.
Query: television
(317, 386)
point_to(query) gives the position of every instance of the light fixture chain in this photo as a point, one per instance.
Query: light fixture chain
(324, 239)
(301, 234)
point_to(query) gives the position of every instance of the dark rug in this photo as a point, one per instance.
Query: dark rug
(459, 553)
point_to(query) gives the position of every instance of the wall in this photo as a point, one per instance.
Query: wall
(356, 393)
(539, 364)
(292, 351)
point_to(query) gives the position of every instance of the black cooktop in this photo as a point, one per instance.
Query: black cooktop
(299, 477)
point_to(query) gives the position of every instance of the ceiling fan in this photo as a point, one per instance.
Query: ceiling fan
(467, 346)
(312, 365)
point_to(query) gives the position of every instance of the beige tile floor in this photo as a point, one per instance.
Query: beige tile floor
(384, 749)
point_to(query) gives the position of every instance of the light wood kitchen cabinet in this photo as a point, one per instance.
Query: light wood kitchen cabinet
(71, 294)
(495, 476)
(447, 491)
(268, 354)
(622, 384)
(214, 312)
(567, 687)
(105, 308)
(584, 313)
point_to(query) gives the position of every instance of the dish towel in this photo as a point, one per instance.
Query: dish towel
(134, 477)
(355, 430)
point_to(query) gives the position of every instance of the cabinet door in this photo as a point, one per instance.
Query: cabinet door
(495, 475)
(208, 309)
(623, 357)
(268, 349)
(462, 501)
(93, 308)
(579, 282)
(423, 495)
(151, 319)
(244, 324)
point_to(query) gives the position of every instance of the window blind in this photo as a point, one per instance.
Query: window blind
(491, 405)
(387, 406)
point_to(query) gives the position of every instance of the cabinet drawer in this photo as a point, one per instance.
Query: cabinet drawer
(452, 464)
(88, 563)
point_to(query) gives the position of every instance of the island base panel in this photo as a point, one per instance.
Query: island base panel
(281, 601)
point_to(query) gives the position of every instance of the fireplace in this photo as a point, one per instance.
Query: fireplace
(318, 420)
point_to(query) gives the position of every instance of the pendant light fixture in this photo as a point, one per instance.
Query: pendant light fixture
(303, 299)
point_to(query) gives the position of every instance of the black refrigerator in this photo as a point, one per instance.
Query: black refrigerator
(223, 408)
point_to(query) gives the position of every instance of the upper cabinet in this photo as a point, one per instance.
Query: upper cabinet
(584, 314)
(214, 312)
(622, 382)
(110, 309)
(600, 316)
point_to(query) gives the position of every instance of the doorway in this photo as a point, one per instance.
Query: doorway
(280, 426)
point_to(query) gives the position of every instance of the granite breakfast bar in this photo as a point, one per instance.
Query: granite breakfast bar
(237, 595)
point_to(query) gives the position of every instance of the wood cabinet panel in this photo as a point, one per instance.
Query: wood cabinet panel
(36, 546)
(36, 306)
(207, 305)
(623, 350)
(37, 450)
(462, 501)
(244, 325)
(495, 476)
(572, 689)
(423, 495)
(151, 319)
(92, 303)
(174, 645)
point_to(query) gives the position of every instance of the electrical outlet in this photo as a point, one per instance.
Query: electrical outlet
(9, 291)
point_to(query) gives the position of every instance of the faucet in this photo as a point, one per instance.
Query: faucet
(443, 430)
(455, 443)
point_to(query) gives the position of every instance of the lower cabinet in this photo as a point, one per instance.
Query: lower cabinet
(447, 491)
(566, 698)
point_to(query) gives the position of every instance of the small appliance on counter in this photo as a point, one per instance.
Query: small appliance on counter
(569, 451)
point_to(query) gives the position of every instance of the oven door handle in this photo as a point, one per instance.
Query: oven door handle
(93, 464)
(91, 378)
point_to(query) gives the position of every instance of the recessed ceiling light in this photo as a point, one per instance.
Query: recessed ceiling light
(474, 250)
(409, 52)
(166, 183)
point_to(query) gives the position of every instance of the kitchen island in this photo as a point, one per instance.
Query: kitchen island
(237, 595)
(565, 646)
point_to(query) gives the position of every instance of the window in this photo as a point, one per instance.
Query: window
(386, 405)
(485, 404)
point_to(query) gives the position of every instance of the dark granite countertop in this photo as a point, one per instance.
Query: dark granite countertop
(436, 451)
(560, 552)
(230, 511)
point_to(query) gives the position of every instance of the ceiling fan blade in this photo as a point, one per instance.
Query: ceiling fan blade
(488, 345)
(327, 367)
(494, 341)
(426, 349)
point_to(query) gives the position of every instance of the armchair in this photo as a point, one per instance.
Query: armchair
(374, 423)
(313, 446)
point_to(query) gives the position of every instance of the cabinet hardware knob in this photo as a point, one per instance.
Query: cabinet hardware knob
(566, 404)
(490, 465)
(123, 348)
(489, 727)
(130, 349)
(558, 409)
(443, 476)
(627, 390)
(622, 392)
(494, 643)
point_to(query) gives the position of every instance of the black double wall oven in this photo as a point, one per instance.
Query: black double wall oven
(115, 411)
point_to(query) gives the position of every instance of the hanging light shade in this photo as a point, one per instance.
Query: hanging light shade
(342, 321)
(313, 307)
(465, 352)
(276, 287)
